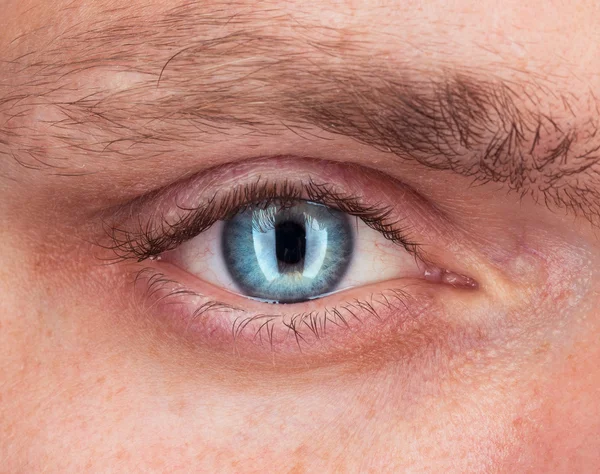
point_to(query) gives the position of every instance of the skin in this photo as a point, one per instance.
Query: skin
(503, 378)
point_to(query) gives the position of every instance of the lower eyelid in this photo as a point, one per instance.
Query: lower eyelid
(354, 319)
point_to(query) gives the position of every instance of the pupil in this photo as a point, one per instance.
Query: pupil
(290, 243)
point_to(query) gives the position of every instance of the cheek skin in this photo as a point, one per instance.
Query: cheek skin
(559, 432)
(554, 425)
(120, 403)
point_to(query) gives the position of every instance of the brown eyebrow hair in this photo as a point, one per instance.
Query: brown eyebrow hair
(203, 75)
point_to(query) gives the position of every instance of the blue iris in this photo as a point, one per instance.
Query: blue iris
(287, 253)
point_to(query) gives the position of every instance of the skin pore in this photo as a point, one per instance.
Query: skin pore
(474, 123)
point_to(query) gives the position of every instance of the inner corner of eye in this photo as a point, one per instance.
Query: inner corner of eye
(457, 280)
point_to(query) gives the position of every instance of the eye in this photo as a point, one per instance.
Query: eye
(292, 252)
(338, 249)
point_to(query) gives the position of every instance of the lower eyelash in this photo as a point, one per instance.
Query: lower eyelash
(158, 288)
(314, 324)
(271, 330)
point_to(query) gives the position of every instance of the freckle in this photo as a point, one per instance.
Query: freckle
(517, 422)
(123, 455)
(542, 348)
(101, 379)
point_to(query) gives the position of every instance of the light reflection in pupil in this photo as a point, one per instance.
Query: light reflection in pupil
(290, 245)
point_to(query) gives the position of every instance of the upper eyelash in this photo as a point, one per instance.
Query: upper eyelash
(152, 239)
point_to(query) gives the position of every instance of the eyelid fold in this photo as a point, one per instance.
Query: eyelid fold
(166, 232)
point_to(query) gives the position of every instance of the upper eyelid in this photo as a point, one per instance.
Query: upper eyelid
(153, 238)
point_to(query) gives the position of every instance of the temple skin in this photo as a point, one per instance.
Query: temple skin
(103, 102)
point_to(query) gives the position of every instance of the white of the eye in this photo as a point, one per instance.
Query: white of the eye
(375, 259)
(265, 250)
(316, 249)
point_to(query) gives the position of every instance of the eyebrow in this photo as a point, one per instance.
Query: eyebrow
(191, 76)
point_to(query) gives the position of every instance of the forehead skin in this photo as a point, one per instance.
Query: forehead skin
(554, 42)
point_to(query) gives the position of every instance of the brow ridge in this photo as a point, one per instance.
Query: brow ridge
(237, 75)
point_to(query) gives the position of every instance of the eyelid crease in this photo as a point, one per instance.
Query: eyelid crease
(152, 239)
